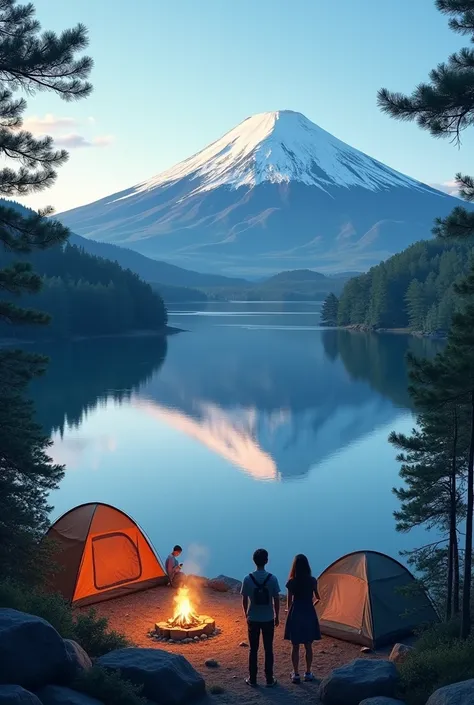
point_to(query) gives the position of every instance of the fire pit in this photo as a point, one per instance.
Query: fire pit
(185, 623)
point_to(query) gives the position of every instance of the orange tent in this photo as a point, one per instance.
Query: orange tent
(101, 554)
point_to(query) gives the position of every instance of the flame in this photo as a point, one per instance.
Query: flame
(184, 614)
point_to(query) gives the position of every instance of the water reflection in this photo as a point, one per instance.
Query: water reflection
(274, 403)
(231, 438)
(282, 402)
(84, 374)
(265, 415)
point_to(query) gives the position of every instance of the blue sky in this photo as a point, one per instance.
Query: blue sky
(171, 76)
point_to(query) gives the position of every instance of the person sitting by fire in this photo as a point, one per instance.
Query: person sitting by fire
(173, 566)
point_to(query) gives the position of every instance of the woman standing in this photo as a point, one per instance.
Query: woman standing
(302, 625)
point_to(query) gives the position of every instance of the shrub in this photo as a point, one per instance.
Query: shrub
(93, 634)
(216, 690)
(51, 607)
(108, 687)
(438, 659)
(89, 630)
(435, 635)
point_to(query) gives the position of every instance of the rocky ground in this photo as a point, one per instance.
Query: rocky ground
(136, 614)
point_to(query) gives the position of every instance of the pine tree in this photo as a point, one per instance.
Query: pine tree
(329, 310)
(379, 302)
(431, 323)
(433, 464)
(445, 107)
(458, 384)
(27, 475)
(416, 305)
(30, 61)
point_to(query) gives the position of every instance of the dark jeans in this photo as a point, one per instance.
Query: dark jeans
(267, 629)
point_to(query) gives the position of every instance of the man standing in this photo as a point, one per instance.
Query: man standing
(261, 603)
(172, 565)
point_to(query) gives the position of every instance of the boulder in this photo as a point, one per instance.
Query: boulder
(399, 653)
(211, 663)
(16, 695)
(381, 701)
(32, 653)
(57, 695)
(166, 678)
(80, 661)
(218, 585)
(196, 580)
(233, 584)
(359, 680)
(455, 694)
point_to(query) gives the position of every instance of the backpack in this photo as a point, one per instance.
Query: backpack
(261, 594)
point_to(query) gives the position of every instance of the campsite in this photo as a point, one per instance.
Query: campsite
(306, 466)
(101, 554)
(103, 559)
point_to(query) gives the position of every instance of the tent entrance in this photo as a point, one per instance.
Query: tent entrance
(115, 559)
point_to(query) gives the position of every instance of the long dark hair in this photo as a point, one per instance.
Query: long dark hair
(300, 571)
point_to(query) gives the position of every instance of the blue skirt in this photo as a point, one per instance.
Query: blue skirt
(302, 624)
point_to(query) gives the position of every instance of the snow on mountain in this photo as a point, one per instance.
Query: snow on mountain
(275, 193)
(279, 147)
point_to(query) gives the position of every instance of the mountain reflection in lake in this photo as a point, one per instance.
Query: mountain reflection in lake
(254, 427)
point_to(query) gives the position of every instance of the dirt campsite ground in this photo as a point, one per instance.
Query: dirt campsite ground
(136, 614)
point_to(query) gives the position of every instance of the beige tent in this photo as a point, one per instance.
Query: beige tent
(361, 600)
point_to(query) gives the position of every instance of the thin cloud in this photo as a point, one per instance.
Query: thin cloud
(62, 129)
(47, 124)
(449, 187)
(103, 141)
(76, 141)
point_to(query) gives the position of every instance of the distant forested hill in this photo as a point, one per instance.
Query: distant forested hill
(294, 285)
(413, 289)
(85, 295)
(178, 294)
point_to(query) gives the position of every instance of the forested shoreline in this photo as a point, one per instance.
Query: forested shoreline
(86, 296)
(413, 290)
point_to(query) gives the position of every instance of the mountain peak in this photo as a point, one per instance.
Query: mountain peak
(279, 147)
(275, 192)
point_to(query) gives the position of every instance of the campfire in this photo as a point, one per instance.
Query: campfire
(185, 624)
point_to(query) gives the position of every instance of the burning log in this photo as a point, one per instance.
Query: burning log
(185, 623)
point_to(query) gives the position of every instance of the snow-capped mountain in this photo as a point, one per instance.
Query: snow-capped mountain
(275, 192)
(278, 148)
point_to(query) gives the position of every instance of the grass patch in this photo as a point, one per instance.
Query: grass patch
(108, 687)
(89, 630)
(439, 658)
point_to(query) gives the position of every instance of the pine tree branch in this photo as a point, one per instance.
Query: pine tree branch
(47, 62)
(19, 278)
(17, 315)
(464, 24)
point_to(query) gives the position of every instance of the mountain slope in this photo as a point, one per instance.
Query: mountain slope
(149, 270)
(152, 270)
(276, 192)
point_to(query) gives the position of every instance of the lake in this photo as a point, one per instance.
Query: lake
(255, 427)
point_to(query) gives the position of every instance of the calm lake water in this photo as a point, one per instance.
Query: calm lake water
(256, 427)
